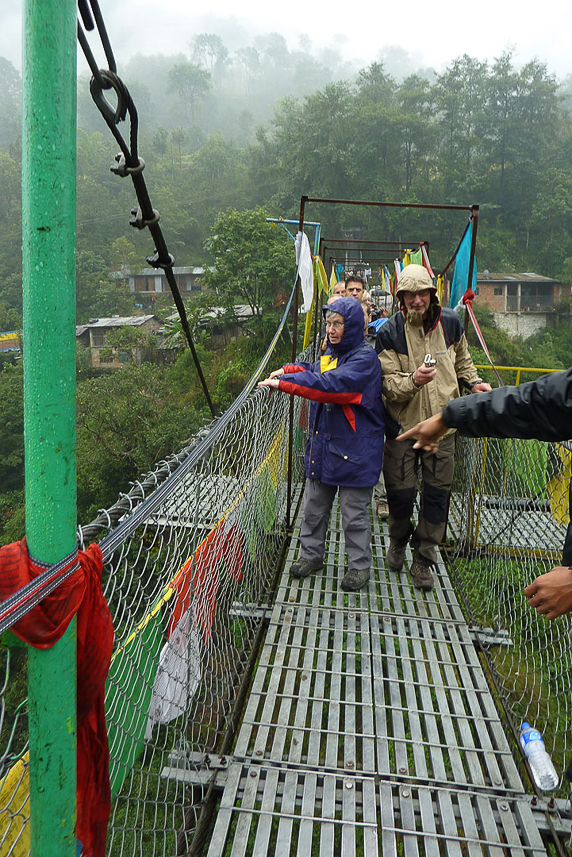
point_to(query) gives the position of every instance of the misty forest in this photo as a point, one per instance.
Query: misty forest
(231, 137)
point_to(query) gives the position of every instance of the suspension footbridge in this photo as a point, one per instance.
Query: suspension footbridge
(249, 712)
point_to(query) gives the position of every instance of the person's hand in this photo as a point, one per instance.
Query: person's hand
(423, 375)
(481, 387)
(428, 433)
(271, 383)
(551, 593)
(277, 373)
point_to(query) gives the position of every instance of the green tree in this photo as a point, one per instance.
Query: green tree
(191, 83)
(98, 295)
(315, 144)
(209, 50)
(127, 421)
(11, 453)
(10, 110)
(417, 133)
(124, 255)
(460, 100)
(253, 261)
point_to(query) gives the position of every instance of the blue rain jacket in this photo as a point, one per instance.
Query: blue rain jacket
(345, 446)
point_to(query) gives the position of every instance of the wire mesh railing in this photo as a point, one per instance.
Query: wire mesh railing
(185, 587)
(191, 555)
(507, 522)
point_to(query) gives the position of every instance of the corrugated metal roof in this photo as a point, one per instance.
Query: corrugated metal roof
(514, 277)
(114, 321)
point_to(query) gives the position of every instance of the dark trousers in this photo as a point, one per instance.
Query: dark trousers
(402, 466)
(567, 551)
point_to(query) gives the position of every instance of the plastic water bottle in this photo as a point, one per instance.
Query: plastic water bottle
(540, 762)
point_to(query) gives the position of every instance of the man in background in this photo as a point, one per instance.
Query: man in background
(339, 290)
(355, 286)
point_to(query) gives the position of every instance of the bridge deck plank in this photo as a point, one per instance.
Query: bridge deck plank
(370, 727)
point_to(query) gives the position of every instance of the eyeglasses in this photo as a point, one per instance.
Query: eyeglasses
(337, 325)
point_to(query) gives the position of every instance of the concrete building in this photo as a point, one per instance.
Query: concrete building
(151, 281)
(521, 303)
(94, 336)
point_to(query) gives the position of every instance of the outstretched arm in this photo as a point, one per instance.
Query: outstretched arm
(551, 593)
(428, 433)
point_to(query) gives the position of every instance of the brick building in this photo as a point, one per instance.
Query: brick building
(521, 303)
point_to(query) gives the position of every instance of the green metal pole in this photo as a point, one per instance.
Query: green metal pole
(48, 227)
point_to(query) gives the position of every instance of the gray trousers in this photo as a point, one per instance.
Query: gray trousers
(354, 506)
(401, 465)
(379, 492)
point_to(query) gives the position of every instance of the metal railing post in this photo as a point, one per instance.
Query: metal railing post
(48, 239)
(294, 350)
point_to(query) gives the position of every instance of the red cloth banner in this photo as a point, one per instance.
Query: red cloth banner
(80, 593)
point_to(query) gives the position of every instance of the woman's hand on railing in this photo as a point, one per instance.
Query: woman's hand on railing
(270, 383)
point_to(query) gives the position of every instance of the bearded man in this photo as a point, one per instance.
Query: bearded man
(414, 389)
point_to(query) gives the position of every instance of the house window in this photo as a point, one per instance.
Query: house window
(97, 338)
(497, 291)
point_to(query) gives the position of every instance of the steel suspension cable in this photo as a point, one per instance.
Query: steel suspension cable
(19, 604)
(128, 161)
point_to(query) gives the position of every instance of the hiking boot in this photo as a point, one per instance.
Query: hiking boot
(382, 511)
(355, 579)
(305, 567)
(421, 571)
(395, 555)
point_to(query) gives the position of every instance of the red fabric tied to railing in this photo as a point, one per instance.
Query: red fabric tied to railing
(41, 627)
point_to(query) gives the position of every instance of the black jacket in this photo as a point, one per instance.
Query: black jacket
(540, 409)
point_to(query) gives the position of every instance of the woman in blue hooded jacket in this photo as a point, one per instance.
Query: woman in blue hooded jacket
(345, 447)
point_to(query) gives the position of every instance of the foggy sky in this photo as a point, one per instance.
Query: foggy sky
(434, 34)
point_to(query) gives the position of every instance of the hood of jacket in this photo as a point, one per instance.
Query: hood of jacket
(415, 278)
(354, 333)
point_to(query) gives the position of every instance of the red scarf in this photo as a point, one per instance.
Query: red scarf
(41, 628)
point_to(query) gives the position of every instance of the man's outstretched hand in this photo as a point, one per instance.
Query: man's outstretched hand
(551, 593)
(428, 433)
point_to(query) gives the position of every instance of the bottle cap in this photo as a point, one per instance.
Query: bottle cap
(525, 725)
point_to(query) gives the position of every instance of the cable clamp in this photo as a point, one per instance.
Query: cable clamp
(123, 170)
(156, 262)
(139, 222)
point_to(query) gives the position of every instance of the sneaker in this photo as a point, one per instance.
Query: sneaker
(305, 567)
(395, 555)
(382, 511)
(420, 569)
(355, 579)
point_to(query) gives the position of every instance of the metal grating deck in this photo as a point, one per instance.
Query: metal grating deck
(370, 728)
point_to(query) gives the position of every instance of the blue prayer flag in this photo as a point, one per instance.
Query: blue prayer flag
(461, 272)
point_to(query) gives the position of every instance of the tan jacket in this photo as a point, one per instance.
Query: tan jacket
(403, 348)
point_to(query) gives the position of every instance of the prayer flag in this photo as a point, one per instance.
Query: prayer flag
(425, 261)
(320, 275)
(333, 279)
(460, 286)
(304, 263)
